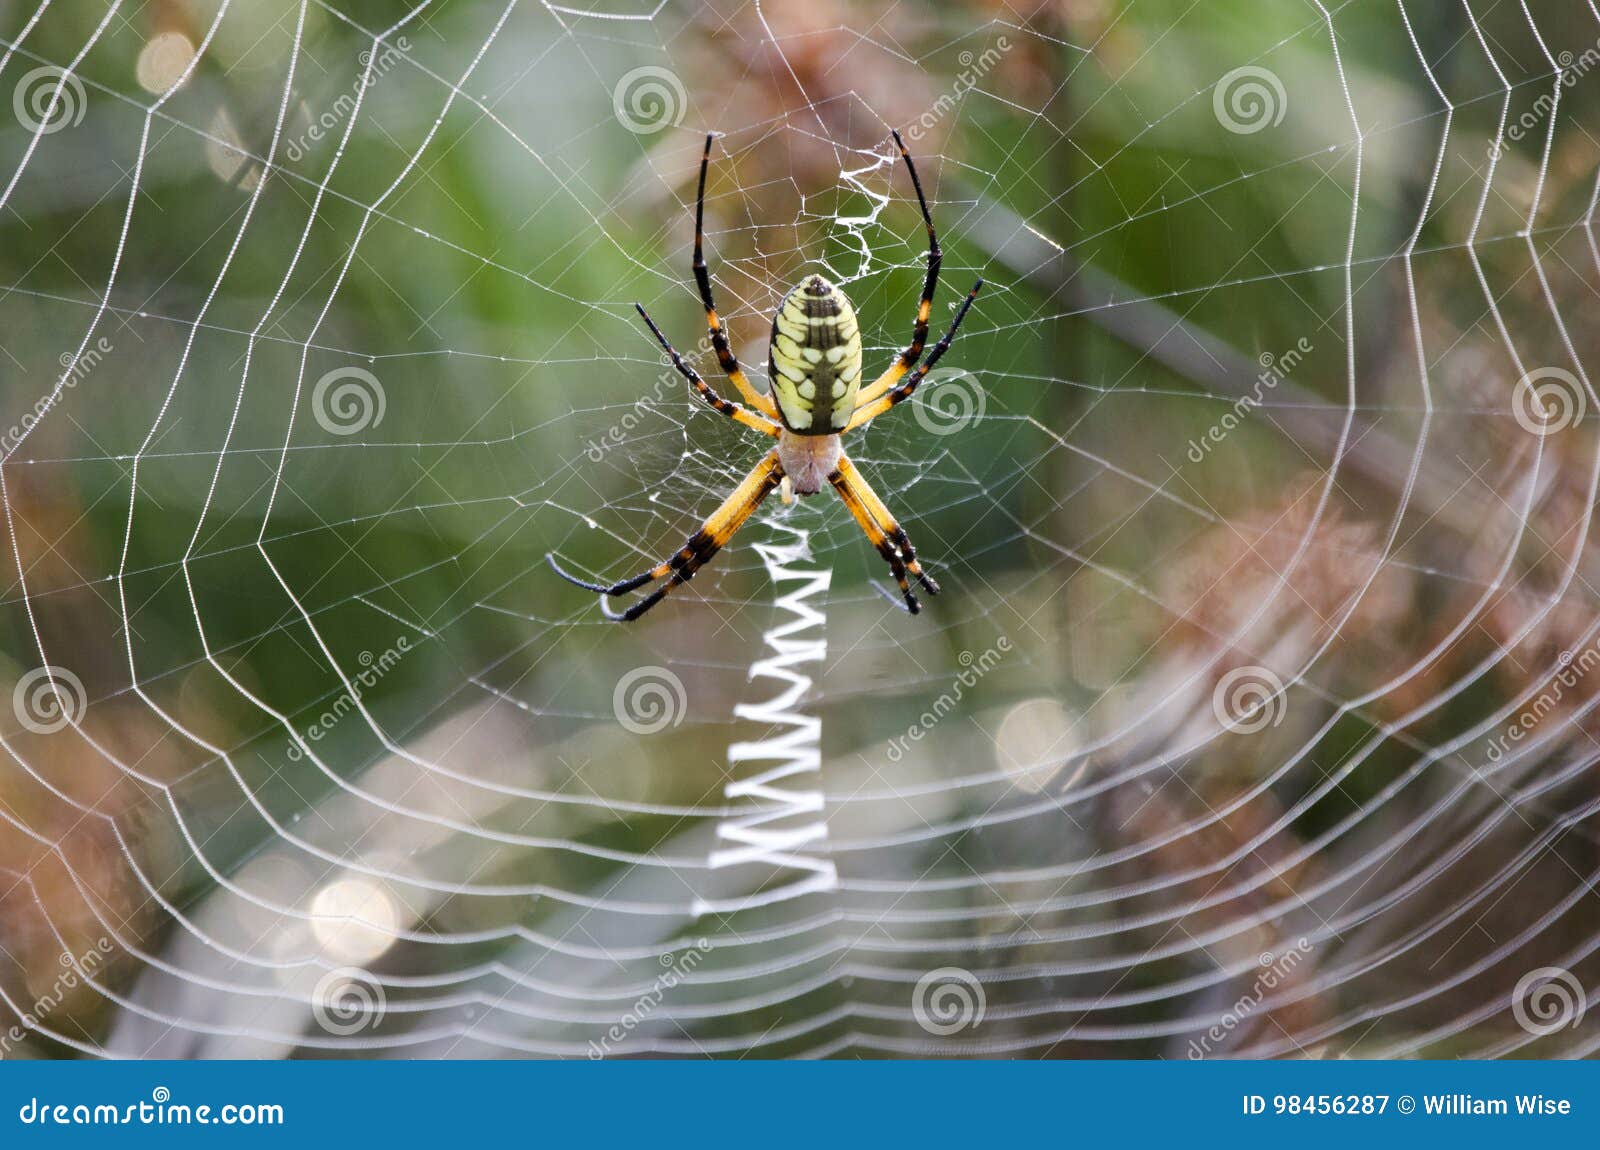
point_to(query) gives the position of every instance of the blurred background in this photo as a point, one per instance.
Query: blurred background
(1255, 718)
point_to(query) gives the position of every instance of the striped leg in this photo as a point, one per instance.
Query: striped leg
(907, 359)
(719, 337)
(697, 552)
(882, 530)
(870, 410)
(727, 407)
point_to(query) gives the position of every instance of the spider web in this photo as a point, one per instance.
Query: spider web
(1255, 718)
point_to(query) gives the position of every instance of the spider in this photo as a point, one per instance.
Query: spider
(814, 372)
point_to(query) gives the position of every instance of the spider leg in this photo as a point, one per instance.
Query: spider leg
(907, 359)
(882, 530)
(878, 539)
(880, 511)
(712, 536)
(702, 277)
(727, 407)
(867, 412)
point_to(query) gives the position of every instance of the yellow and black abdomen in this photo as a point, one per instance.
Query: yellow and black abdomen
(815, 362)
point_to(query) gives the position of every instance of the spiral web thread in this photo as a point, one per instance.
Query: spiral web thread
(450, 830)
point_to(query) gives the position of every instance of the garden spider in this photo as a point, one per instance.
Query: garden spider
(814, 372)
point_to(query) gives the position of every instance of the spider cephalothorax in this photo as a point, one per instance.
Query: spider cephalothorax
(814, 370)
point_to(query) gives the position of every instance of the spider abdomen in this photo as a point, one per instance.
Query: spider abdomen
(815, 361)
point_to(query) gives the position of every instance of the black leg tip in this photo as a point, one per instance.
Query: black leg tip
(550, 558)
(634, 611)
(654, 330)
(905, 601)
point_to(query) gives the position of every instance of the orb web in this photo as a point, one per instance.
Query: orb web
(1255, 717)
